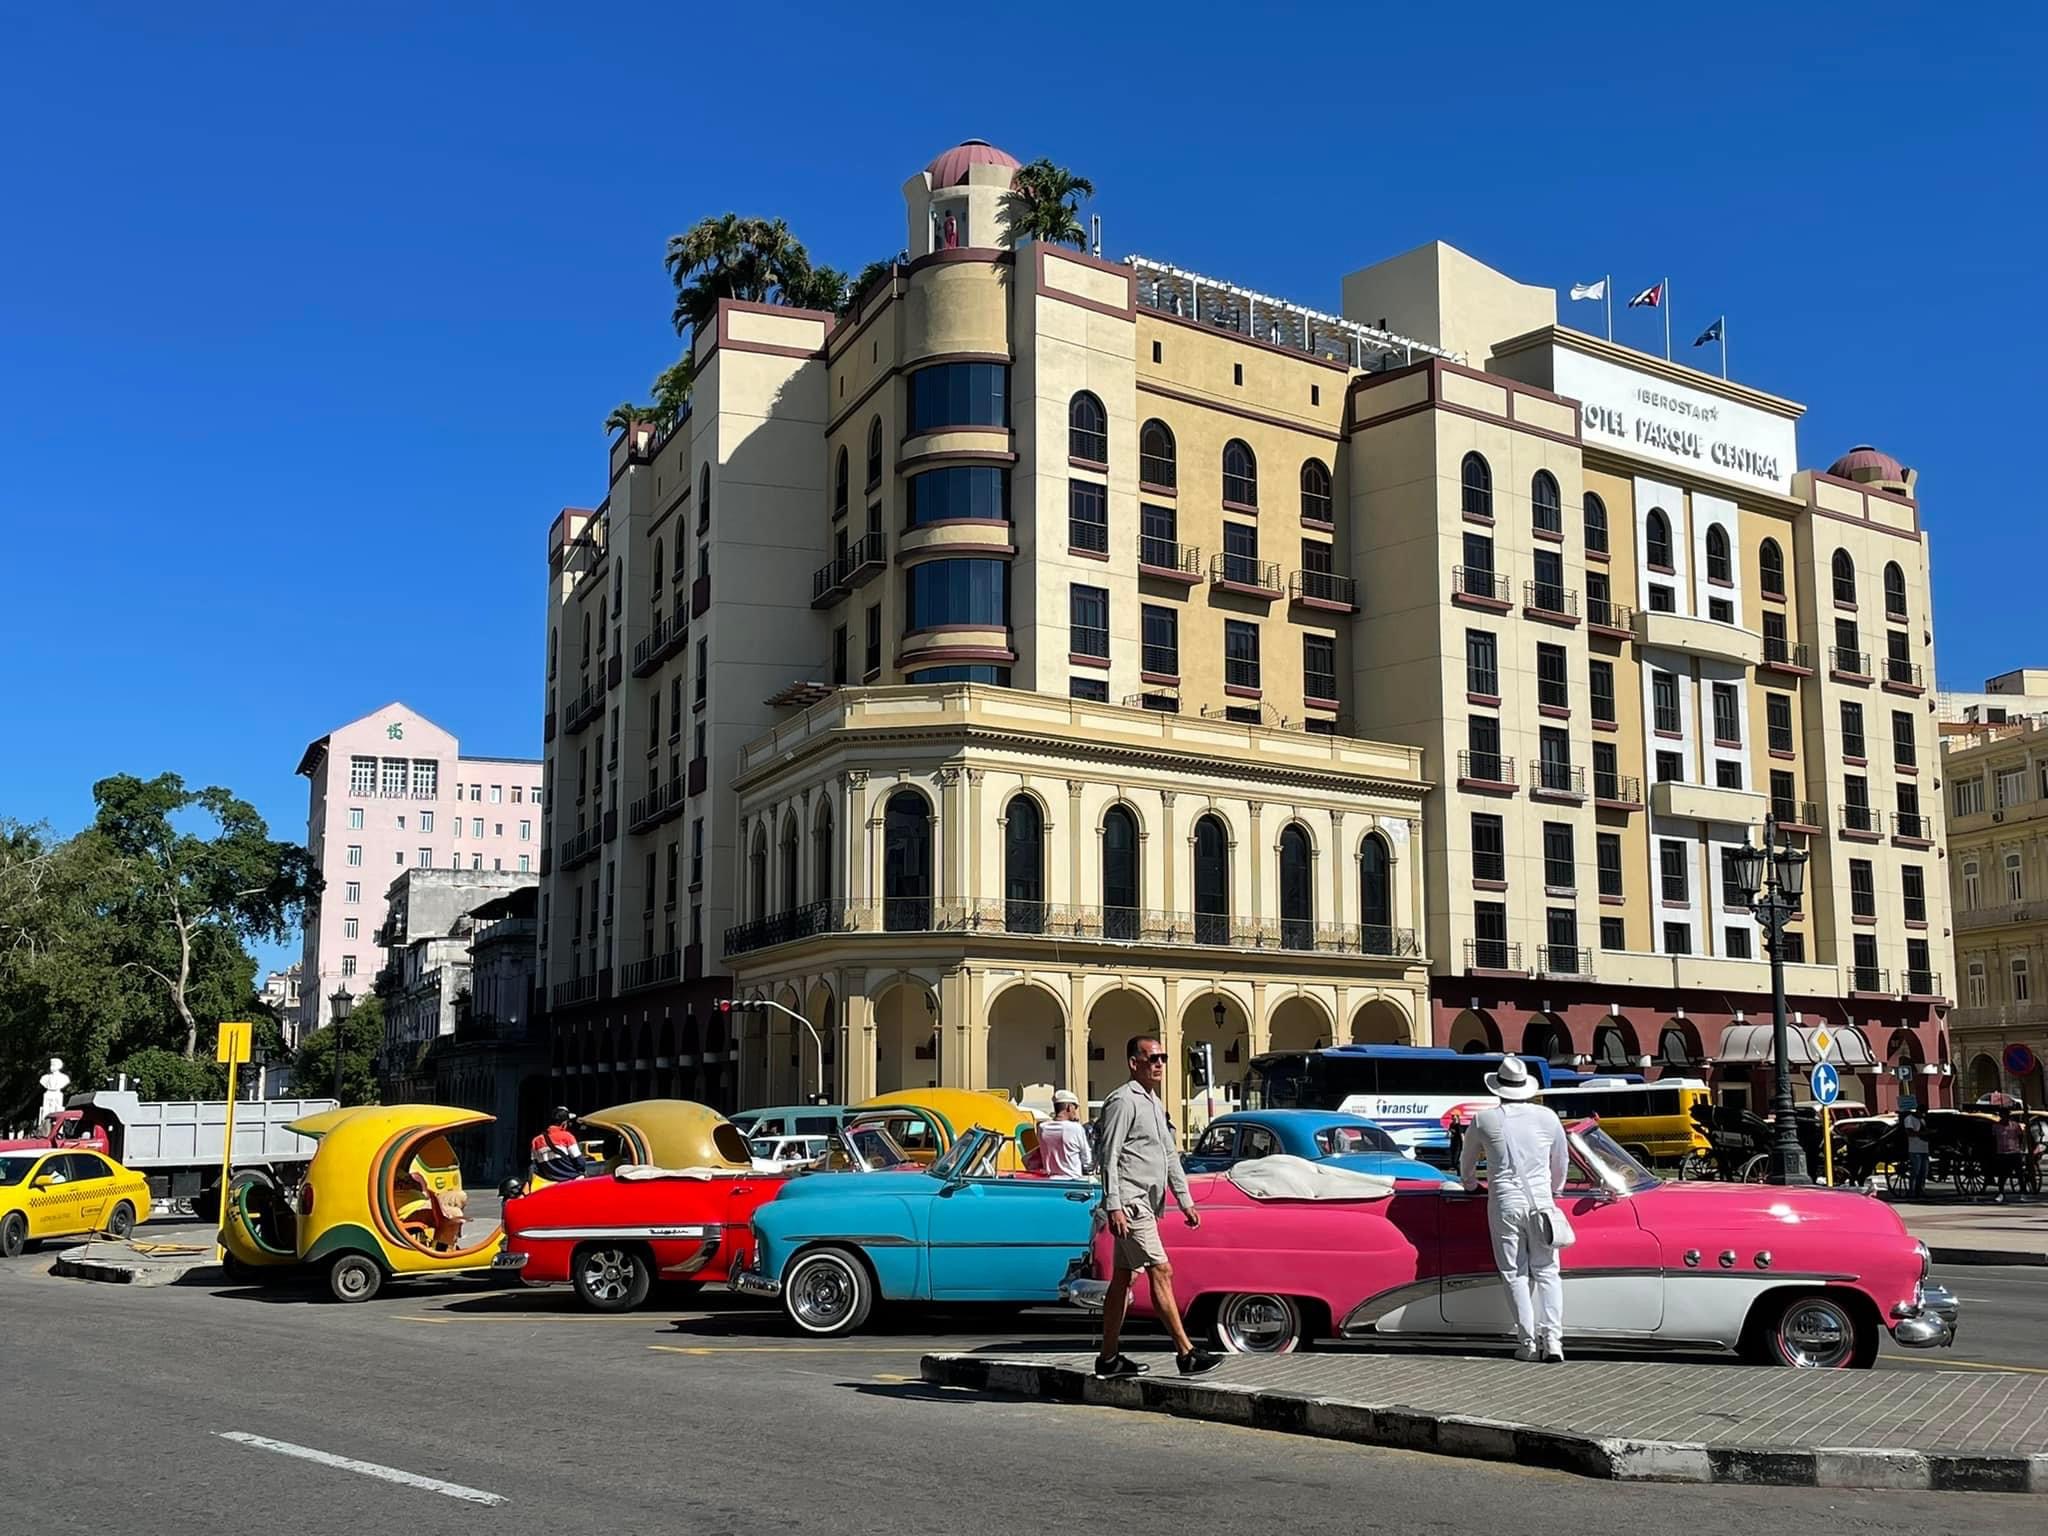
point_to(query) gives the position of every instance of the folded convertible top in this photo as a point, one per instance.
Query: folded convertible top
(1296, 1178)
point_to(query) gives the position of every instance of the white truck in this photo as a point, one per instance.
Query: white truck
(177, 1143)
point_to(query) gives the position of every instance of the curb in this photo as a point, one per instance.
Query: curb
(1986, 1256)
(1412, 1429)
(161, 1272)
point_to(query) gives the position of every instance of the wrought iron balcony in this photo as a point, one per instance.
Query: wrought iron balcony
(1923, 983)
(1617, 789)
(1550, 598)
(581, 848)
(663, 641)
(1168, 561)
(1904, 674)
(583, 709)
(655, 807)
(1492, 955)
(1246, 574)
(1861, 818)
(1912, 826)
(1324, 589)
(1559, 779)
(1796, 815)
(1847, 662)
(1605, 613)
(1869, 978)
(1480, 584)
(652, 971)
(1787, 655)
(1563, 959)
(1486, 768)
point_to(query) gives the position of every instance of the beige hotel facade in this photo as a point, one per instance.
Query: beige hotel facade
(1054, 649)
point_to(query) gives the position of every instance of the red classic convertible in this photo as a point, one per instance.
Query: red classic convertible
(676, 1207)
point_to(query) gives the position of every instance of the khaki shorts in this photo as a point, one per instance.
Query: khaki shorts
(1141, 1248)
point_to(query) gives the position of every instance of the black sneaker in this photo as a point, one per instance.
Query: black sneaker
(1197, 1362)
(1118, 1365)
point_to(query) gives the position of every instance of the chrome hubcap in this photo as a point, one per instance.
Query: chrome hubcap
(822, 1294)
(607, 1275)
(354, 1281)
(1817, 1333)
(1258, 1324)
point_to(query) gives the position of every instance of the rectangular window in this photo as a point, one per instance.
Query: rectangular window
(1241, 554)
(1554, 745)
(1848, 655)
(1721, 610)
(1561, 935)
(1678, 938)
(1162, 640)
(362, 775)
(701, 673)
(497, 794)
(1862, 888)
(1606, 771)
(1600, 687)
(457, 826)
(1614, 935)
(426, 821)
(1158, 537)
(1733, 896)
(1776, 647)
(1560, 866)
(1913, 889)
(1319, 667)
(1969, 797)
(355, 853)
(1778, 721)
(355, 818)
(1902, 739)
(397, 774)
(1240, 653)
(1318, 557)
(1852, 729)
(1482, 742)
(1479, 563)
(525, 865)
(1793, 947)
(1490, 935)
(476, 826)
(1088, 516)
(2021, 992)
(697, 852)
(2008, 787)
(518, 793)
(1664, 702)
(1599, 600)
(1856, 804)
(1670, 768)
(1607, 850)
(872, 657)
(1735, 943)
(1489, 856)
(350, 926)
(1094, 689)
(1919, 979)
(526, 831)
(1482, 665)
(353, 891)
(1548, 589)
(348, 965)
(1551, 687)
(1727, 716)
(1663, 599)
(1675, 884)
(1910, 824)
(1784, 795)
(426, 858)
(1088, 616)
(1727, 773)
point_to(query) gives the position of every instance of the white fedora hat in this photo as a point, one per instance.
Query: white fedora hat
(1512, 1081)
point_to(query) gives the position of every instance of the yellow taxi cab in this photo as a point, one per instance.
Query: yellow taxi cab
(927, 1121)
(66, 1194)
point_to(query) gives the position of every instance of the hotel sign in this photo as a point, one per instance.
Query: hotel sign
(1690, 429)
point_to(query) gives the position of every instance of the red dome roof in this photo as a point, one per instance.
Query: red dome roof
(950, 169)
(1873, 464)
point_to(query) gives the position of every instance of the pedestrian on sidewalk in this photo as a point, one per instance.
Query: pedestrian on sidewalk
(1523, 1146)
(2009, 1149)
(1914, 1124)
(2037, 1148)
(1063, 1151)
(1140, 1163)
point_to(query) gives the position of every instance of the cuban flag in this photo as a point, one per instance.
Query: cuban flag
(1651, 297)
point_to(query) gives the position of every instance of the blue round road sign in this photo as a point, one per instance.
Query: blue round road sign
(2020, 1060)
(1827, 1084)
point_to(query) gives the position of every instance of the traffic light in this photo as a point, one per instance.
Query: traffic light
(1198, 1067)
(742, 1005)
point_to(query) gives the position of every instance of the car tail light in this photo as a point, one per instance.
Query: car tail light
(305, 1199)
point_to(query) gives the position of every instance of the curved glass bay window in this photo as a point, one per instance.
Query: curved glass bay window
(957, 493)
(960, 395)
(957, 593)
(969, 672)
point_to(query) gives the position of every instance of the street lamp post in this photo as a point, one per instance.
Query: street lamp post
(339, 1005)
(1773, 877)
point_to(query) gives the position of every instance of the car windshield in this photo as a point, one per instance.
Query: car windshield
(1338, 1140)
(973, 1156)
(14, 1168)
(1603, 1158)
(872, 1147)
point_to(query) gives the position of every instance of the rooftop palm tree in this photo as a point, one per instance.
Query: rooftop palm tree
(759, 260)
(1044, 203)
(626, 415)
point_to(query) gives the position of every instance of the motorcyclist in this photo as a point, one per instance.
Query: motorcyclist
(557, 1155)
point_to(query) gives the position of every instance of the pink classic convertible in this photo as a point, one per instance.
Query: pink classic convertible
(1802, 1277)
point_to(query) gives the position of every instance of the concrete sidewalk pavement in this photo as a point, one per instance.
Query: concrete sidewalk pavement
(1957, 1233)
(1662, 1422)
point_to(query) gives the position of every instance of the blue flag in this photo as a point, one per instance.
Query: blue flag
(1711, 333)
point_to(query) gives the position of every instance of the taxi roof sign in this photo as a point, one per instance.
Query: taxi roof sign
(233, 1045)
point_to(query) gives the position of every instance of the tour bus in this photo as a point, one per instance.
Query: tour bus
(1410, 1091)
(1653, 1120)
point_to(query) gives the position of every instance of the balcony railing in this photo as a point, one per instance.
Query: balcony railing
(1480, 582)
(655, 806)
(1869, 978)
(2004, 914)
(584, 708)
(1911, 824)
(1088, 640)
(652, 971)
(828, 582)
(1605, 613)
(1860, 818)
(1847, 662)
(1560, 778)
(581, 989)
(1906, 674)
(1923, 983)
(1324, 587)
(1492, 955)
(1486, 767)
(1238, 672)
(1617, 788)
(1168, 560)
(1787, 653)
(660, 643)
(1800, 815)
(1561, 959)
(1161, 660)
(580, 848)
(1246, 573)
(1089, 534)
(1550, 597)
(842, 573)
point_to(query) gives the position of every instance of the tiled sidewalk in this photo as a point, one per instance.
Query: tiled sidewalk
(1678, 1422)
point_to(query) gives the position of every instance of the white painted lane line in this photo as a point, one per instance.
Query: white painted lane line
(367, 1468)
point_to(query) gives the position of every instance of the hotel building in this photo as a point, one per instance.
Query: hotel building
(1052, 649)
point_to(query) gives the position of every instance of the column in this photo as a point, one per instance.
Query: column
(1076, 1079)
(961, 1030)
(951, 840)
(1176, 1058)
(1340, 865)
(1074, 864)
(1169, 854)
(1256, 910)
(1260, 1030)
(857, 1042)
(970, 889)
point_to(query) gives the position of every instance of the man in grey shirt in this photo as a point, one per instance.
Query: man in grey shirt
(1140, 1163)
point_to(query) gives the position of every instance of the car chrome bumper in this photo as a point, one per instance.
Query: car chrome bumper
(1085, 1294)
(510, 1261)
(753, 1282)
(1929, 1320)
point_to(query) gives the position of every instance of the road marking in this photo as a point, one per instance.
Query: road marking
(367, 1468)
(1974, 1365)
(782, 1349)
(542, 1318)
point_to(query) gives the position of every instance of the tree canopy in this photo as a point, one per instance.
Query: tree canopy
(758, 260)
(362, 1032)
(1044, 203)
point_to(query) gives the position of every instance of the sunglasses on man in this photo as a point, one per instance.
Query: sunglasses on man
(1146, 1058)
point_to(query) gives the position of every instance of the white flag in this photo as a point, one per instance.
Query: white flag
(1590, 290)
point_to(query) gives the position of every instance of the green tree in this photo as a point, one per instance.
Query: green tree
(758, 260)
(626, 415)
(875, 272)
(1044, 203)
(362, 1033)
(200, 875)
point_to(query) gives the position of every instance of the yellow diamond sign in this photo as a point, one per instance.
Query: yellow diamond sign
(1823, 1042)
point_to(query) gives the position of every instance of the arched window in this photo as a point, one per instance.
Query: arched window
(1316, 503)
(874, 453)
(654, 586)
(586, 638)
(1120, 895)
(1845, 578)
(1375, 897)
(1548, 503)
(1596, 524)
(757, 875)
(1240, 474)
(1657, 539)
(1157, 464)
(1297, 895)
(1611, 1046)
(907, 863)
(704, 497)
(1894, 591)
(1087, 429)
(1770, 568)
(1212, 882)
(788, 892)
(1674, 1051)
(1477, 479)
(1023, 866)
(1719, 566)
(841, 475)
(821, 855)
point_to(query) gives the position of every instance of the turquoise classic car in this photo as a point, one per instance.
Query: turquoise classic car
(832, 1245)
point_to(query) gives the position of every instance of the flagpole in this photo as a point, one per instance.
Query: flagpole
(1667, 319)
(1607, 291)
(1724, 346)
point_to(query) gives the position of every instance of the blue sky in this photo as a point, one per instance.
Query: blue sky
(308, 321)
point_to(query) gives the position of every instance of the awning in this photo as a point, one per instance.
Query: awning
(1750, 1044)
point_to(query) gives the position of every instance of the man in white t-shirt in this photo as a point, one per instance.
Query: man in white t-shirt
(1063, 1151)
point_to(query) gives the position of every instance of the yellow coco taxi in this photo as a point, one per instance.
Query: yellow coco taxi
(66, 1194)
(383, 1198)
(259, 1222)
(926, 1121)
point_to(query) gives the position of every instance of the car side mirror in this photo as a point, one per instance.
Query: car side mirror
(41, 1181)
(952, 1187)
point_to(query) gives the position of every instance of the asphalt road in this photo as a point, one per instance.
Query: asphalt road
(714, 1419)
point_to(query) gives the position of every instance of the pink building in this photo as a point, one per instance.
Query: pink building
(390, 792)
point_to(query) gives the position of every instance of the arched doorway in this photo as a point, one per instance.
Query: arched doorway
(1212, 881)
(1381, 1022)
(1121, 897)
(906, 1036)
(1023, 867)
(821, 854)
(1375, 896)
(1297, 891)
(757, 876)
(1298, 1023)
(1473, 1033)
(1983, 1077)
(907, 863)
(1113, 1018)
(1218, 1022)
(1678, 1049)
(1027, 1032)
(1614, 1047)
(1546, 1038)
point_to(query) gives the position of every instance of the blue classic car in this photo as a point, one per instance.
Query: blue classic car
(1321, 1136)
(832, 1245)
